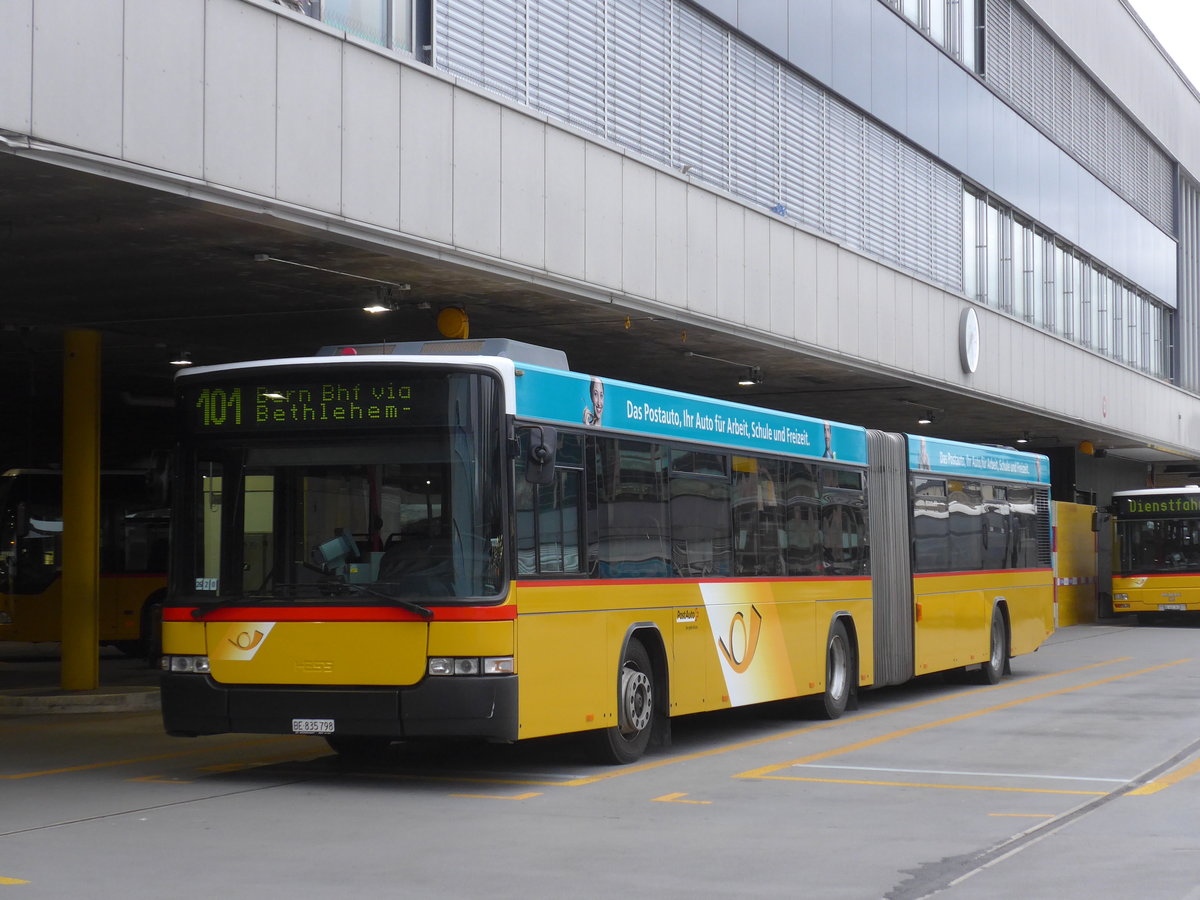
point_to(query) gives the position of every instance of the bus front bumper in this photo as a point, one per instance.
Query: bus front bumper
(449, 707)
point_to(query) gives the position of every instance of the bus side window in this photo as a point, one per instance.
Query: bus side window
(550, 516)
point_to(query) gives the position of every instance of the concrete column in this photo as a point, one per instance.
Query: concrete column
(81, 512)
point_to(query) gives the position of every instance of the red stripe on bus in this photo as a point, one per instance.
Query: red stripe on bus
(341, 614)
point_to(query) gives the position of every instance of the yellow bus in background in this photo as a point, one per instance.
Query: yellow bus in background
(133, 559)
(465, 539)
(1156, 556)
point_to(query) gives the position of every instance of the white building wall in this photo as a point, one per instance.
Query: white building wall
(388, 150)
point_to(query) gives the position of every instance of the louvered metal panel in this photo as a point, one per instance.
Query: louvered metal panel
(881, 214)
(846, 180)
(1043, 528)
(998, 58)
(891, 563)
(1020, 86)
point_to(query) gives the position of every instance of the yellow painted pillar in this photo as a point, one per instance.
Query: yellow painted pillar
(81, 512)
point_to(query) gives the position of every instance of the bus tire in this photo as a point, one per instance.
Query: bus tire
(626, 741)
(838, 672)
(990, 671)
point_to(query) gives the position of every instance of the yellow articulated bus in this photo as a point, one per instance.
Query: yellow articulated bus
(133, 559)
(467, 539)
(1156, 558)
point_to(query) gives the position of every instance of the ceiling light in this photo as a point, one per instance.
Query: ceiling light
(926, 418)
(182, 359)
(376, 308)
(1024, 438)
(753, 376)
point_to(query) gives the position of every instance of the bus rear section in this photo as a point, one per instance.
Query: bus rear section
(983, 587)
(1156, 557)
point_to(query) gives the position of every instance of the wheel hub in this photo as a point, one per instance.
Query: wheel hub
(636, 701)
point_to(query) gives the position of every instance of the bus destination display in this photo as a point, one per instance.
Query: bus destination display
(1158, 505)
(274, 405)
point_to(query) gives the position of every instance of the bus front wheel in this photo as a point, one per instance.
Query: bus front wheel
(626, 741)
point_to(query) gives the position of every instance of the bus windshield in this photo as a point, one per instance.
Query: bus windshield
(1159, 545)
(412, 513)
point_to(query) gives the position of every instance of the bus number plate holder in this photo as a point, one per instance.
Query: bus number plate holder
(312, 726)
(1172, 607)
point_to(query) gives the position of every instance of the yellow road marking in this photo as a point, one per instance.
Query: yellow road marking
(677, 798)
(4, 880)
(1159, 784)
(85, 767)
(497, 797)
(768, 771)
(160, 779)
(948, 787)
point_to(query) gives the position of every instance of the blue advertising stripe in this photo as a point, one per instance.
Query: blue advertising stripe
(575, 399)
(939, 457)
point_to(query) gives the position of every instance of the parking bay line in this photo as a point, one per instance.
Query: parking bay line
(770, 771)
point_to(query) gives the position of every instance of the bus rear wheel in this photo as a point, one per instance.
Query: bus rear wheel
(837, 672)
(626, 741)
(990, 671)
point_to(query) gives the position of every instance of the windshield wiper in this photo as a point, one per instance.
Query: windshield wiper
(422, 611)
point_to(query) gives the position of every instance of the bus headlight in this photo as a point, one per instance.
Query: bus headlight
(471, 665)
(195, 664)
(1120, 596)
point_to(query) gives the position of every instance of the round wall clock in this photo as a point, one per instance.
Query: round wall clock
(968, 340)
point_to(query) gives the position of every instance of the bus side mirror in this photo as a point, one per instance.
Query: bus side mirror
(21, 525)
(543, 446)
(1100, 520)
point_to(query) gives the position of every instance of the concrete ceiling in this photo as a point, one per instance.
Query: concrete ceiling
(157, 273)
